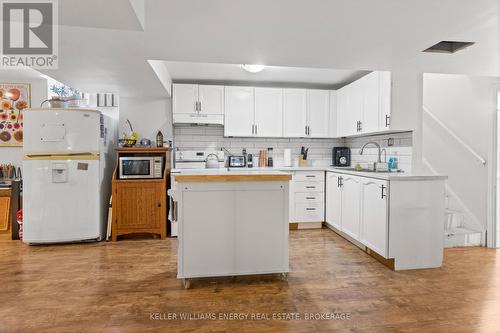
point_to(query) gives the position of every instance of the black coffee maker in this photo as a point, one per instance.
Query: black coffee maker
(341, 156)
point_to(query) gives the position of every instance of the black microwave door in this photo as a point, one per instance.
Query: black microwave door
(136, 168)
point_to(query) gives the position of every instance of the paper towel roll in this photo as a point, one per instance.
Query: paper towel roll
(287, 157)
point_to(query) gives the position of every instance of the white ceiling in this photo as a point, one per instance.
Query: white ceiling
(106, 51)
(287, 76)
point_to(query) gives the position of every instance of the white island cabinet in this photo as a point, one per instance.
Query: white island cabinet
(232, 223)
(400, 218)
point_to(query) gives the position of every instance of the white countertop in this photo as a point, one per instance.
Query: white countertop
(390, 176)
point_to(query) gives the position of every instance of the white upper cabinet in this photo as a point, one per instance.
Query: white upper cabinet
(239, 111)
(192, 103)
(370, 119)
(352, 109)
(364, 106)
(211, 99)
(385, 99)
(332, 123)
(268, 112)
(185, 98)
(318, 110)
(295, 112)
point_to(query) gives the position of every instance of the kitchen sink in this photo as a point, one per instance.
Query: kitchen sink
(368, 170)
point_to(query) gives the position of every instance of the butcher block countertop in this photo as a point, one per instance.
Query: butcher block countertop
(223, 175)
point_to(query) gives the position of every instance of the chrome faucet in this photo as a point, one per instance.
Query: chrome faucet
(376, 145)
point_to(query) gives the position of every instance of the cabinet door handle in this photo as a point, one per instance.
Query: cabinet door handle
(253, 129)
(305, 129)
(256, 129)
(360, 126)
(383, 195)
(387, 120)
(200, 105)
(357, 126)
(340, 182)
(159, 204)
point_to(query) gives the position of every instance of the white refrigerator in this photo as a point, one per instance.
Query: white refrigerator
(68, 160)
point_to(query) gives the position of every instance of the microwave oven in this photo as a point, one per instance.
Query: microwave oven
(140, 167)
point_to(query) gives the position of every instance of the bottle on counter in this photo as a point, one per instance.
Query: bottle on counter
(250, 161)
(270, 161)
(159, 139)
(262, 159)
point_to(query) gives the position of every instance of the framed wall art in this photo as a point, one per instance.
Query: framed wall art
(14, 98)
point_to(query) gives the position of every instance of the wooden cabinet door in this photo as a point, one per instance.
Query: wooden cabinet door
(333, 200)
(184, 98)
(374, 216)
(239, 111)
(295, 112)
(139, 206)
(351, 205)
(211, 99)
(371, 103)
(268, 112)
(318, 110)
(5, 213)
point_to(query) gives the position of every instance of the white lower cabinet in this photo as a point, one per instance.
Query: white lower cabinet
(374, 215)
(401, 220)
(333, 207)
(355, 206)
(351, 205)
(307, 197)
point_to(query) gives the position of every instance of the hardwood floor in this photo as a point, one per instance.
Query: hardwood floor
(117, 286)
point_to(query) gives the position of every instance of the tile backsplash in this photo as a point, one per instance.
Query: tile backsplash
(402, 148)
(188, 137)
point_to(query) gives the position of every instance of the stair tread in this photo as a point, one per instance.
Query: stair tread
(461, 230)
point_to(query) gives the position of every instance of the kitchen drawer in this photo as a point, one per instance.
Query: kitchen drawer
(309, 176)
(306, 197)
(309, 212)
(308, 187)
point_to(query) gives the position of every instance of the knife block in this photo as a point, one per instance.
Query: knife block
(302, 161)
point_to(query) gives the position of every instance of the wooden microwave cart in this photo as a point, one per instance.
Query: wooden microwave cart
(140, 205)
(9, 205)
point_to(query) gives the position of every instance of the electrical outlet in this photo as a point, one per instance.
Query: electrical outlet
(390, 142)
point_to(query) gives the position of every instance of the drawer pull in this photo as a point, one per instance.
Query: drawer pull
(310, 198)
(310, 186)
(311, 176)
(310, 208)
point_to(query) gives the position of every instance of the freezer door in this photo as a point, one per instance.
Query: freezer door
(62, 131)
(61, 201)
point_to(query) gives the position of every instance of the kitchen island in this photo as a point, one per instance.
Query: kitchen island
(231, 222)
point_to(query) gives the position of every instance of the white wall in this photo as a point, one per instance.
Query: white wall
(147, 117)
(467, 106)
(38, 95)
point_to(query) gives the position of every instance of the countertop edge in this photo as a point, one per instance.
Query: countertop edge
(233, 178)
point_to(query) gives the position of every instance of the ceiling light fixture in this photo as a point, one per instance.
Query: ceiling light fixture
(253, 68)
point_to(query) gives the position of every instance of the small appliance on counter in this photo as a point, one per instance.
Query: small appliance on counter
(341, 156)
(212, 161)
(236, 161)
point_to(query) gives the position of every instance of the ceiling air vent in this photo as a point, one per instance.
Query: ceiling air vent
(448, 47)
